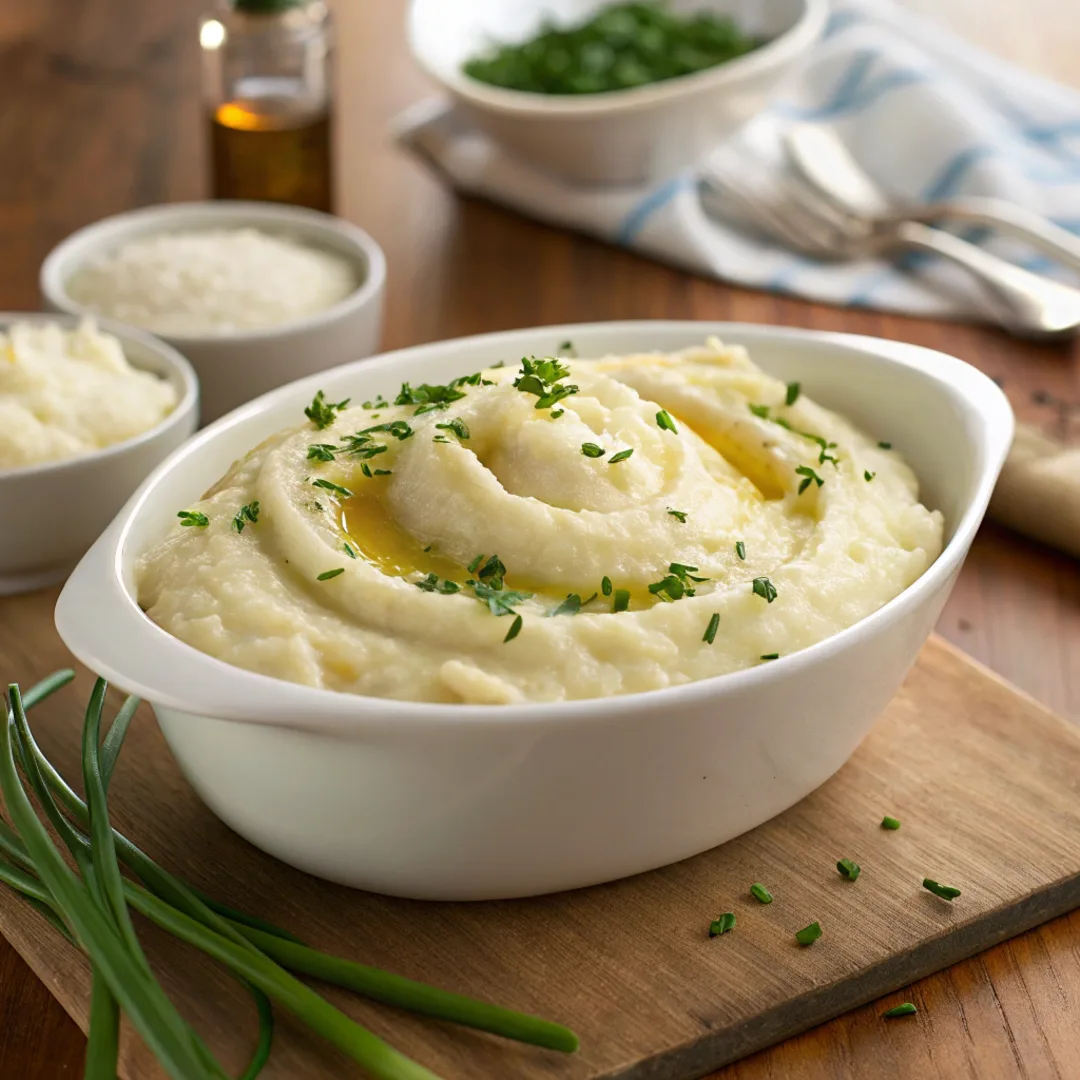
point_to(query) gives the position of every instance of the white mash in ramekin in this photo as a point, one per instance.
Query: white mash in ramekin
(64, 393)
(549, 530)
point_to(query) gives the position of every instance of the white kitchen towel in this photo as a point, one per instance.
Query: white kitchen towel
(928, 115)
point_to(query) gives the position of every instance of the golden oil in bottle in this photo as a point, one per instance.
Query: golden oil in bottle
(267, 81)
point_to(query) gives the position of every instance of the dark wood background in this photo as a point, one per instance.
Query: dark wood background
(99, 112)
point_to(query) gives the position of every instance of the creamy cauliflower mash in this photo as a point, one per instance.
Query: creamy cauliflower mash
(64, 393)
(552, 530)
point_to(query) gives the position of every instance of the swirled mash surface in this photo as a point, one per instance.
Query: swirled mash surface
(492, 541)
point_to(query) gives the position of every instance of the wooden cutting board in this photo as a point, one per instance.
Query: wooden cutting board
(985, 781)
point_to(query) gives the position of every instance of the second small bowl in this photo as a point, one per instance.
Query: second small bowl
(235, 367)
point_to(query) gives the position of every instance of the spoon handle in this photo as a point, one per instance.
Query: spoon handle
(1026, 304)
(1012, 220)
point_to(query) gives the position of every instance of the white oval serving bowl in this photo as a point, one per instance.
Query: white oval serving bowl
(53, 512)
(621, 136)
(235, 367)
(462, 802)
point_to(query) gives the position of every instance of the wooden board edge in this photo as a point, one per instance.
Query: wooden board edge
(704, 1056)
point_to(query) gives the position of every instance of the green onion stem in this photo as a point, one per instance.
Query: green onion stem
(382, 1061)
(414, 996)
(103, 1034)
(141, 998)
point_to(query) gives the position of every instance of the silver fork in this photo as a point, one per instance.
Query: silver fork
(783, 205)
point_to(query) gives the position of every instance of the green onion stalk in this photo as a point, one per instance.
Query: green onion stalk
(89, 903)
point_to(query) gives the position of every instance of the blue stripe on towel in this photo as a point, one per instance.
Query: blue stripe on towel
(634, 221)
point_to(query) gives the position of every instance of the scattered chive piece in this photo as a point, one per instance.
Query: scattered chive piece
(321, 412)
(889, 822)
(365, 468)
(811, 477)
(605, 585)
(383, 472)
(740, 549)
(760, 411)
(946, 892)
(570, 606)
(350, 550)
(664, 421)
(710, 630)
(679, 515)
(848, 869)
(515, 629)
(321, 452)
(326, 575)
(885, 445)
(760, 893)
(722, 925)
(556, 413)
(246, 515)
(769, 656)
(567, 349)
(622, 600)
(809, 934)
(764, 588)
(622, 455)
(329, 485)
(590, 449)
(474, 564)
(427, 549)
(907, 1009)
(541, 377)
(189, 518)
(792, 396)
(431, 583)
(868, 475)
(458, 427)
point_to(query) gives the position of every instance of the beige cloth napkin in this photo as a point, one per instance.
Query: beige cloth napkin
(1038, 493)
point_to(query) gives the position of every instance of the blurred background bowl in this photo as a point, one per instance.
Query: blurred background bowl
(51, 513)
(621, 136)
(234, 367)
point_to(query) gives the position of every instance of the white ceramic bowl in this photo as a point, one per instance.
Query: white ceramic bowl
(623, 136)
(235, 367)
(462, 802)
(52, 513)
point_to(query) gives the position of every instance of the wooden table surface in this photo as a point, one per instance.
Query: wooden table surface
(99, 113)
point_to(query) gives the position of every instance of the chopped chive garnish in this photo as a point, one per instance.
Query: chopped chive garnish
(515, 629)
(326, 575)
(556, 413)
(792, 395)
(329, 485)
(889, 822)
(664, 421)
(848, 869)
(710, 630)
(458, 427)
(365, 468)
(722, 925)
(605, 585)
(907, 1009)
(622, 600)
(349, 550)
(868, 475)
(764, 588)
(246, 515)
(622, 455)
(760, 411)
(676, 583)
(383, 472)
(590, 449)
(431, 583)
(567, 349)
(321, 452)
(809, 934)
(193, 518)
(946, 892)
(679, 515)
(760, 893)
(323, 413)
(740, 549)
(885, 445)
(570, 606)
(474, 564)
(542, 378)
(770, 656)
(811, 477)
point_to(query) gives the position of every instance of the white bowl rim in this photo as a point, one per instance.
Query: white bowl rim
(175, 361)
(97, 584)
(793, 41)
(90, 240)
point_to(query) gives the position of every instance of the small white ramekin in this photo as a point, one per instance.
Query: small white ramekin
(622, 136)
(235, 367)
(473, 802)
(52, 513)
